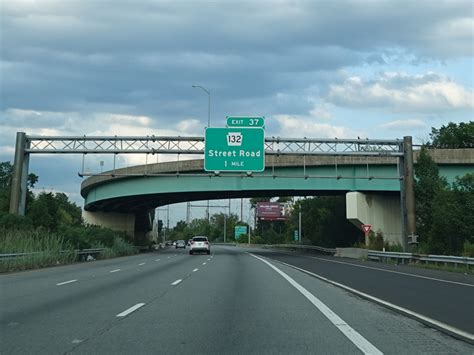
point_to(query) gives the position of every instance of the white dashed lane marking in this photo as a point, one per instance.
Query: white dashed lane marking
(65, 282)
(130, 310)
(176, 282)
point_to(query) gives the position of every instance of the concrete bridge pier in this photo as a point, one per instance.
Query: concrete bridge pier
(381, 211)
(124, 222)
(137, 225)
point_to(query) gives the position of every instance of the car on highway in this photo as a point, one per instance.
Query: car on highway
(180, 244)
(199, 244)
(189, 242)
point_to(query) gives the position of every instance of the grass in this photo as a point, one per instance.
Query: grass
(460, 268)
(47, 249)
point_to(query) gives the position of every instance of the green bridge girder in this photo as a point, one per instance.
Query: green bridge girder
(140, 188)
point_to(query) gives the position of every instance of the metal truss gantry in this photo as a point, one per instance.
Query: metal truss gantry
(195, 145)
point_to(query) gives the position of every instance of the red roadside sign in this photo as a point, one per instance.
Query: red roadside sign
(366, 228)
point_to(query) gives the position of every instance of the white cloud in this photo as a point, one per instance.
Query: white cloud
(190, 127)
(404, 124)
(429, 92)
(304, 126)
(321, 112)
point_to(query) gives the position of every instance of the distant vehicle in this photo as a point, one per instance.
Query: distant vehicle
(180, 244)
(189, 242)
(168, 243)
(199, 244)
(174, 242)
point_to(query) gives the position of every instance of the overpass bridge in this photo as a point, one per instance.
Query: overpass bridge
(375, 175)
(371, 186)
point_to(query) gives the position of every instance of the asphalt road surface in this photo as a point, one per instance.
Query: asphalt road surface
(234, 301)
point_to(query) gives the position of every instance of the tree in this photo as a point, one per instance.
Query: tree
(453, 135)
(427, 185)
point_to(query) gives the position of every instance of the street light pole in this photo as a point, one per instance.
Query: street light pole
(208, 103)
(208, 125)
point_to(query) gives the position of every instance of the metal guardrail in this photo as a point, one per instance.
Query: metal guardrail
(77, 252)
(385, 256)
(302, 247)
(412, 257)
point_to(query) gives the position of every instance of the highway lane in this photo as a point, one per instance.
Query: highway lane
(229, 302)
(443, 296)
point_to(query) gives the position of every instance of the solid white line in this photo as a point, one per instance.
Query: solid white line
(65, 282)
(413, 314)
(358, 340)
(195, 270)
(176, 282)
(393, 272)
(157, 260)
(204, 263)
(130, 310)
(116, 270)
(141, 264)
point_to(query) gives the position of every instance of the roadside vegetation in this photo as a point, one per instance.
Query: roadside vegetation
(50, 231)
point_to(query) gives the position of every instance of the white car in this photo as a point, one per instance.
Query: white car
(199, 244)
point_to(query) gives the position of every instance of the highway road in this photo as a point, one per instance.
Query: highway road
(234, 301)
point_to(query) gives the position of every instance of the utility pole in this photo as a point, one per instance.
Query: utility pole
(241, 209)
(188, 212)
(299, 226)
(225, 227)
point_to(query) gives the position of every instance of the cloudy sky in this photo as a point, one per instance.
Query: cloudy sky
(377, 69)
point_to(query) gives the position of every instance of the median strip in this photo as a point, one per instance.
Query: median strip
(130, 310)
(65, 282)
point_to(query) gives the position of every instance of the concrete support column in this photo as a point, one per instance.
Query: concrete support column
(116, 221)
(380, 211)
(20, 176)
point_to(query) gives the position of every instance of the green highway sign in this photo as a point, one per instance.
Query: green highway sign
(240, 230)
(245, 121)
(234, 149)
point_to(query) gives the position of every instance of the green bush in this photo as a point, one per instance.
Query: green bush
(119, 248)
(376, 241)
(13, 221)
(393, 247)
(468, 249)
